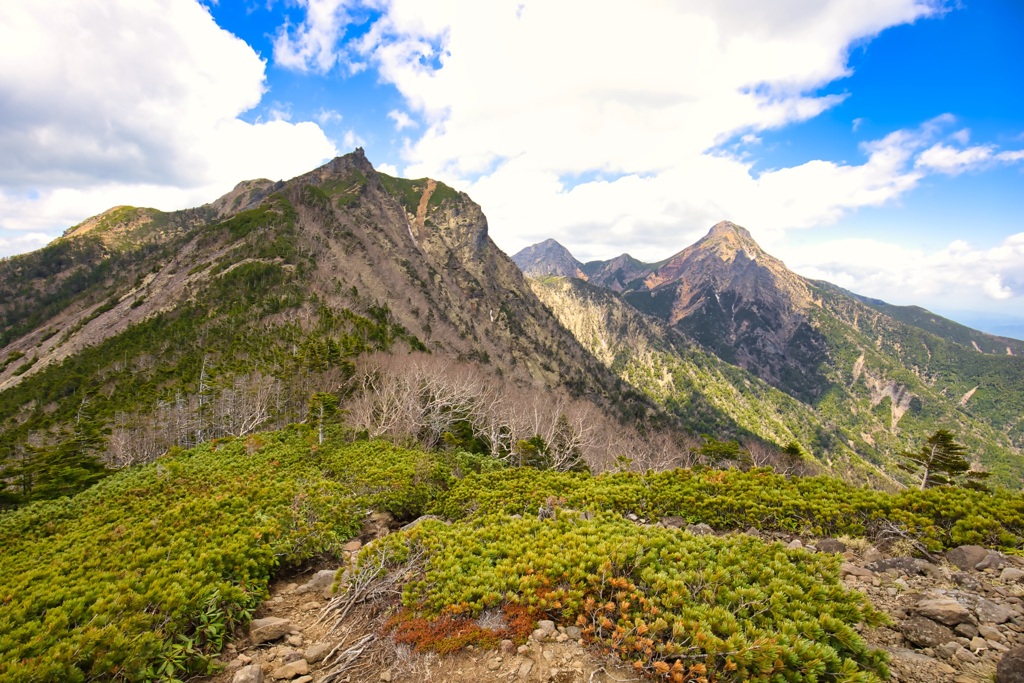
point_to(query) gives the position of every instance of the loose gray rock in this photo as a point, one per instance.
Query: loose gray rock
(317, 651)
(966, 557)
(848, 569)
(1011, 574)
(674, 522)
(321, 580)
(830, 545)
(991, 561)
(924, 632)
(573, 632)
(267, 629)
(943, 610)
(700, 529)
(967, 581)
(248, 674)
(966, 630)
(291, 670)
(795, 544)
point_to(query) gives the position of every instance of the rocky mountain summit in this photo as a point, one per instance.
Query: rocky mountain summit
(878, 377)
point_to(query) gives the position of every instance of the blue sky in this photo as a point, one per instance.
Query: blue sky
(876, 144)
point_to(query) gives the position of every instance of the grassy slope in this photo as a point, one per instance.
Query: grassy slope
(144, 576)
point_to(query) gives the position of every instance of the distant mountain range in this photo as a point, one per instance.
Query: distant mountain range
(139, 329)
(876, 377)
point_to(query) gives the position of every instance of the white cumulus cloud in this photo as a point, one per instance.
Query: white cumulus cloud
(126, 102)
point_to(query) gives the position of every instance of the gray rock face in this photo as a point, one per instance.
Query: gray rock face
(966, 557)
(248, 674)
(943, 610)
(1011, 667)
(924, 632)
(270, 628)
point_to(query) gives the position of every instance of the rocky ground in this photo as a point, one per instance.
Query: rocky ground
(955, 619)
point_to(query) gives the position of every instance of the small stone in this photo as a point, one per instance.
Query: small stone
(304, 679)
(947, 650)
(573, 632)
(494, 664)
(996, 646)
(700, 529)
(291, 656)
(291, 670)
(294, 641)
(795, 544)
(355, 546)
(1011, 574)
(522, 649)
(753, 532)
(267, 629)
(525, 669)
(561, 638)
(978, 643)
(385, 676)
(317, 651)
(631, 517)
(546, 625)
(674, 522)
(309, 606)
(507, 647)
(248, 674)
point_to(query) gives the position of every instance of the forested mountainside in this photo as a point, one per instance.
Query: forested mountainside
(139, 330)
(877, 378)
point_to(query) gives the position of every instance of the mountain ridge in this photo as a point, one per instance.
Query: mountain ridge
(881, 382)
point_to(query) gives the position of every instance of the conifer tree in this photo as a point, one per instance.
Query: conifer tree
(941, 462)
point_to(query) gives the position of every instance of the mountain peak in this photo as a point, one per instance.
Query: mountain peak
(548, 258)
(728, 239)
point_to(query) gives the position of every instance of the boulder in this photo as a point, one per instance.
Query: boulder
(1011, 667)
(925, 632)
(966, 557)
(248, 674)
(848, 569)
(317, 651)
(321, 580)
(943, 610)
(267, 629)
(830, 545)
(291, 670)
(992, 612)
